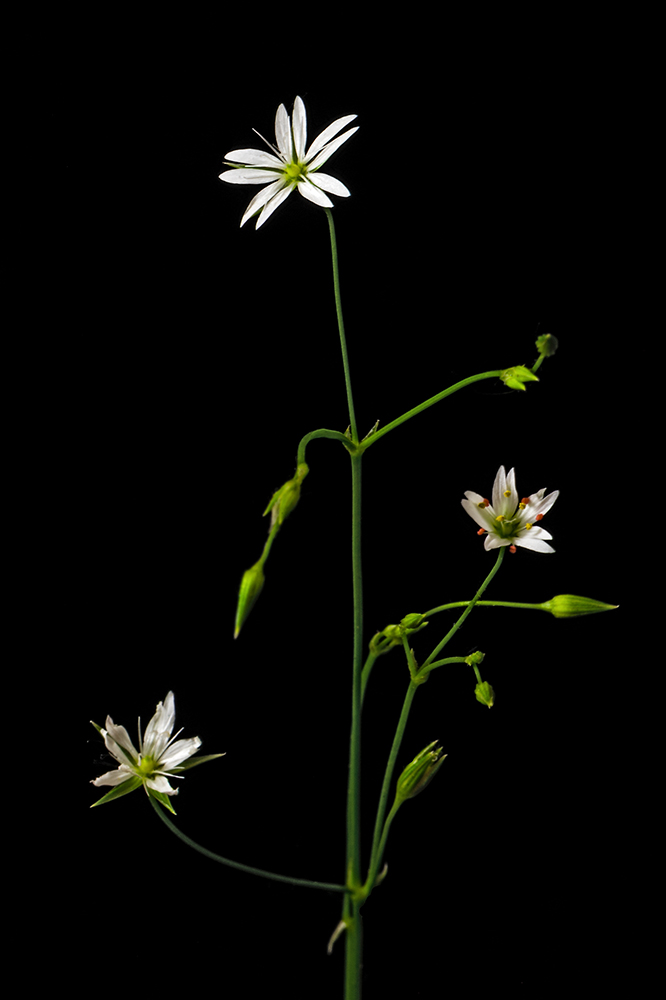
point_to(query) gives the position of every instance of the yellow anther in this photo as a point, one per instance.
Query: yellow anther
(521, 505)
(507, 493)
(528, 526)
(500, 517)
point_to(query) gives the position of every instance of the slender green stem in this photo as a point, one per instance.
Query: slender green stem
(353, 948)
(354, 786)
(306, 883)
(322, 432)
(468, 609)
(429, 402)
(341, 325)
(365, 674)
(377, 840)
(487, 604)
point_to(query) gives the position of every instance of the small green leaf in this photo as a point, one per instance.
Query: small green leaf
(123, 789)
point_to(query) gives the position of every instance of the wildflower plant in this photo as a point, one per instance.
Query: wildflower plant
(505, 519)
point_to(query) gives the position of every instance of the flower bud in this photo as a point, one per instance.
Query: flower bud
(485, 694)
(250, 588)
(514, 377)
(571, 606)
(420, 772)
(285, 499)
(475, 658)
(546, 345)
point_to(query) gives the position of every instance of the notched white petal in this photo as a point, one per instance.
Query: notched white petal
(256, 157)
(329, 132)
(327, 151)
(314, 194)
(248, 175)
(330, 184)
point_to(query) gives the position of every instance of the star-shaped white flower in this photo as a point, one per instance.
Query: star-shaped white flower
(158, 759)
(291, 166)
(508, 520)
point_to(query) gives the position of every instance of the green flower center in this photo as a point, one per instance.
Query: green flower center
(145, 767)
(294, 171)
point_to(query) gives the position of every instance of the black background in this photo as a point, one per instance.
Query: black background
(196, 356)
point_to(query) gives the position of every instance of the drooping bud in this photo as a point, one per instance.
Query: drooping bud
(477, 657)
(250, 588)
(485, 694)
(571, 606)
(546, 345)
(420, 772)
(285, 499)
(514, 377)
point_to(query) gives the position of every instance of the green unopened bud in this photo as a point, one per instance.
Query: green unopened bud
(546, 345)
(420, 772)
(514, 377)
(485, 694)
(250, 588)
(571, 606)
(473, 658)
(285, 499)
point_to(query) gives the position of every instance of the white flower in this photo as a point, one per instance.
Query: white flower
(158, 759)
(291, 166)
(508, 521)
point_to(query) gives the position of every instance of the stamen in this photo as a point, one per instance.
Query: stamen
(481, 531)
(528, 526)
(507, 493)
(484, 503)
(500, 518)
(538, 517)
(525, 500)
(512, 548)
(270, 144)
(521, 505)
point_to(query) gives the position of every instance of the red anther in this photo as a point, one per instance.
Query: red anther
(486, 502)
(481, 531)
(525, 500)
(538, 517)
(512, 548)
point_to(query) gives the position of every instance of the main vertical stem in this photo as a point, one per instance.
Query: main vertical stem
(353, 955)
(352, 905)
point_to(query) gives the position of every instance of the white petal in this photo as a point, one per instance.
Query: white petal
(483, 519)
(498, 488)
(160, 784)
(330, 184)
(313, 193)
(178, 752)
(123, 773)
(474, 497)
(246, 175)
(158, 730)
(495, 542)
(327, 151)
(257, 157)
(300, 128)
(283, 133)
(528, 541)
(328, 133)
(275, 202)
(260, 199)
(116, 737)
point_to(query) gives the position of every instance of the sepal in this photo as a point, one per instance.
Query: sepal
(514, 377)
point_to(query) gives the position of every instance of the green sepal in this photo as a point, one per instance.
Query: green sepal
(546, 345)
(194, 761)
(250, 588)
(163, 799)
(572, 606)
(123, 789)
(514, 377)
(420, 772)
(485, 694)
